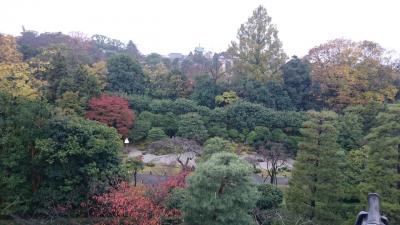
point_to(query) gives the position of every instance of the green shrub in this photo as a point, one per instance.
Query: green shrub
(156, 134)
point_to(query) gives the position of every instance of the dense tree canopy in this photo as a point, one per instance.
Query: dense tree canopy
(384, 161)
(68, 101)
(315, 189)
(220, 192)
(125, 75)
(215, 145)
(22, 121)
(297, 82)
(112, 111)
(350, 73)
(258, 51)
(76, 158)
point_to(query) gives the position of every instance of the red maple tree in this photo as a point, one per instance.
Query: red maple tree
(113, 111)
(141, 205)
(162, 191)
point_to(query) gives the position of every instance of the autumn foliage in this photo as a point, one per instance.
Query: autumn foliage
(352, 73)
(142, 205)
(113, 111)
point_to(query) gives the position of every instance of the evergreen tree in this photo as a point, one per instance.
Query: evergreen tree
(77, 158)
(354, 199)
(81, 82)
(133, 51)
(191, 126)
(205, 91)
(21, 123)
(220, 192)
(215, 145)
(58, 70)
(350, 131)
(297, 82)
(315, 188)
(125, 75)
(383, 173)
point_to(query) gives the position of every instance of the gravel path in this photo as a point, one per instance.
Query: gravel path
(170, 159)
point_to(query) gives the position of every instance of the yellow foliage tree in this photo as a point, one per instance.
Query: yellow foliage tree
(351, 73)
(8, 50)
(17, 80)
(99, 70)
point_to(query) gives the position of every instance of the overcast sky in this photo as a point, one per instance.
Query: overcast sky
(166, 26)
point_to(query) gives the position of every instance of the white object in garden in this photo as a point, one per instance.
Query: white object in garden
(126, 141)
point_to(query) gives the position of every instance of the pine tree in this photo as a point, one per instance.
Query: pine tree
(221, 192)
(350, 131)
(383, 173)
(315, 188)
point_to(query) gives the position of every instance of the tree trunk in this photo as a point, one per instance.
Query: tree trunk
(134, 177)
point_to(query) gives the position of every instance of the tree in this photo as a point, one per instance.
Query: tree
(125, 75)
(142, 205)
(245, 116)
(191, 126)
(297, 82)
(215, 68)
(367, 114)
(258, 52)
(155, 134)
(17, 80)
(242, 115)
(153, 59)
(22, 121)
(226, 98)
(350, 131)
(220, 192)
(383, 171)
(133, 165)
(185, 150)
(8, 50)
(258, 136)
(127, 205)
(105, 47)
(76, 158)
(354, 177)
(133, 51)
(27, 43)
(99, 70)
(168, 85)
(270, 197)
(138, 102)
(112, 111)
(268, 203)
(71, 104)
(271, 95)
(315, 189)
(16, 77)
(140, 129)
(204, 91)
(274, 155)
(215, 145)
(81, 82)
(57, 71)
(351, 73)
